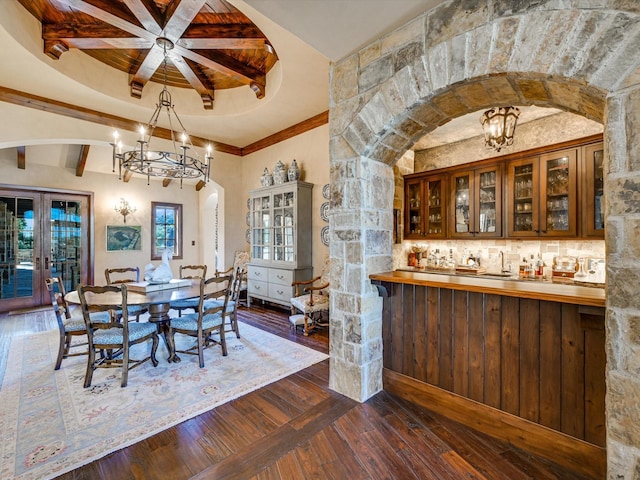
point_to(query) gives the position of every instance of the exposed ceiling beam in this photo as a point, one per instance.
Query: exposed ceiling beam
(82, 160)
(24, 99)
(22, 158)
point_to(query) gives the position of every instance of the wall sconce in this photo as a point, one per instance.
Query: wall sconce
(124, 208)
(499, 125)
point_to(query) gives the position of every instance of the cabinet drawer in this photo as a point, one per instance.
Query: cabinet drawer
(280, 292)
(257, 287)
(280, 277)
(258, 273)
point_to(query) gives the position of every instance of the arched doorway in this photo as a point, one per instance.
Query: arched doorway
(456, 59)
(212, 244)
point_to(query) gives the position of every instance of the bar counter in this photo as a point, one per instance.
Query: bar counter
(521, 360)
(533, 289)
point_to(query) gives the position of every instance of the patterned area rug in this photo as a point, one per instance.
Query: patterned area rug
(50, 424)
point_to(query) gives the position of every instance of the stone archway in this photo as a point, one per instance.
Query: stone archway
(459, 58)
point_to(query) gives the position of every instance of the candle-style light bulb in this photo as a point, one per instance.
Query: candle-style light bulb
(141, 133)
(184, 138)
(115, 136)
(119, 147)
(208, 150)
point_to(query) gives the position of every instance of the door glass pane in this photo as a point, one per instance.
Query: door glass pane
(557, 177)
(523, 198)
(435, 207)
(414, 208)
(487, 214)
(462, 204)
(16, 247)
(598, 190)
(66, 242)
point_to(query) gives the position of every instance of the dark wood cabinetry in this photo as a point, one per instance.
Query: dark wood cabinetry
(542, 195)
(556, 191)
(476, 202)
(425, 207)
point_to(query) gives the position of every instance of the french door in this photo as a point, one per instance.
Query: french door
(42, 234)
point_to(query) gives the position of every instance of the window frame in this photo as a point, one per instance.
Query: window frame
(177, 208)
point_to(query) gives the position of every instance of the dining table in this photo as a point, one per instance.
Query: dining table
(159, 304)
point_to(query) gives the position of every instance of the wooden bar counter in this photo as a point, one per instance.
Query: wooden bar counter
(520, 360)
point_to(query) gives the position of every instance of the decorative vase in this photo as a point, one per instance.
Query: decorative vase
(294, 172)
(279, 173)
(267, 179)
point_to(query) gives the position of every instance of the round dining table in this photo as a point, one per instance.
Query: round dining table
(159, 302)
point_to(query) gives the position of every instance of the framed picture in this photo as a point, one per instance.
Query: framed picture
(123, 237)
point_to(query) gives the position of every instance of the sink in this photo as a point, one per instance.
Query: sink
(500, 275)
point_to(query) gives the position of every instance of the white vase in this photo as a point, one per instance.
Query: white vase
(294, 172)
(279, 173)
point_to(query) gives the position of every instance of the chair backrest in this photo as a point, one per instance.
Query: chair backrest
(57, 293)
(193, 271)
(212, 289)
(236, 284)
(108, 298)
(122, 275)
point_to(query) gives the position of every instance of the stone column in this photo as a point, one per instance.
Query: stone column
(622, 193)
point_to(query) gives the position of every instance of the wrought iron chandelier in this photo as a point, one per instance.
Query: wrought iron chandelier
(171, 164)
(499, 125)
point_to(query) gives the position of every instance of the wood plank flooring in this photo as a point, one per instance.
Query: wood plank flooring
(297, 428)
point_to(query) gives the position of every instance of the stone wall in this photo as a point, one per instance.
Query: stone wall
(461, 57)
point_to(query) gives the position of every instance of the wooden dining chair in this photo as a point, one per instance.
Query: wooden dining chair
(231, 310)
(116, 276)
(207, 320)
(70, 325)
(194, 272)
(113, 340)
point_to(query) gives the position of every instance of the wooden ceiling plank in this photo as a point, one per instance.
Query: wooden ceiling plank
(22, 157)
(227, 30)
(82, 160)
(79, 30)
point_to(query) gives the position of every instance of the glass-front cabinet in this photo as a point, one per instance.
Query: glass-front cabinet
(593, 188)
(425, 201)
(281, 241)
(476, 197)
(542, 195)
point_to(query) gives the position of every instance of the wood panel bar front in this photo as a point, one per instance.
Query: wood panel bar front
(537, 356)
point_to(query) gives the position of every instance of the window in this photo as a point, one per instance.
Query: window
(166, 225)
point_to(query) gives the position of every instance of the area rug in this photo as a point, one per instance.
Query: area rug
(50, 424)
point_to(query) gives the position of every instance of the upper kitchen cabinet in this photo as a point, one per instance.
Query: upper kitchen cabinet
(592, 168)
(542, 195)
(425, 207)
(476, 202)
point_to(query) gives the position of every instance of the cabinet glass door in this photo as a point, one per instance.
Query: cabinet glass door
(523, 206)
(283, 228)
(594, 188)
(413, 208)
(435, 208)
(461, 201)
(489, 199)
(261, 227)
(558, 196)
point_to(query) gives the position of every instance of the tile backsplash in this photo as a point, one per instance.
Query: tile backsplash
(513, 250)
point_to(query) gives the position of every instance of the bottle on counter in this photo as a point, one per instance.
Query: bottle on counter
(523, 268)
(540, 267)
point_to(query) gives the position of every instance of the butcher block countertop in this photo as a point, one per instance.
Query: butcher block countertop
(533, 289)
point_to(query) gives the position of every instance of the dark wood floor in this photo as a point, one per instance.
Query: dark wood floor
(297, 428)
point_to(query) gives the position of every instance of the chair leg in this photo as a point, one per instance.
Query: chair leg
(201, 348)
(223, 341)
(234, 319)
(62, 348)
(91, 358)
(125, 365)
(307, 330)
